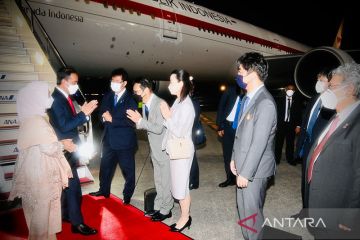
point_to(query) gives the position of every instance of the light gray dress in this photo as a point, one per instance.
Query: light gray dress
(180, 125)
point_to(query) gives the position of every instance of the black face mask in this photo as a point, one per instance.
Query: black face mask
(138, 98)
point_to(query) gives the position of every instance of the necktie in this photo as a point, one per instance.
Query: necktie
(310, 126)
(71, 105)
(239, 111)
(288, 110)
(320, 146)
(146, 112)
(115, 99)
(313, 119)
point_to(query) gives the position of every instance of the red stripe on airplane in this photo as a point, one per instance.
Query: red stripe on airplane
(163, 14)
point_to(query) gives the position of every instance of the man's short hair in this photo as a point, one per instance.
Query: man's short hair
(120, 72)
(144, 83)
(351, 74)
(64, 73)
(255, 62)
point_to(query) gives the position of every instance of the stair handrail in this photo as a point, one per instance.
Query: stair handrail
(48, 40)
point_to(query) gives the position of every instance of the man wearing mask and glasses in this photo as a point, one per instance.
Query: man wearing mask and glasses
(152, 121)
(119, 137)
(333, 165)
(314, 120)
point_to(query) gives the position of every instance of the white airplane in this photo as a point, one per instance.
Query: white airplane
(153, 37)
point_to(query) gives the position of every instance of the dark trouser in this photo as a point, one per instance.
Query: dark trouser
(227, 146)
(194, 172)
(71, 197)
(285, 130)
(126, 160)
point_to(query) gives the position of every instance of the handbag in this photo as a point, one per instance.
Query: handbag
(199, 136)
(179, 148)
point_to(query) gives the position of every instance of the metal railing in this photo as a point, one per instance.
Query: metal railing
(41, 35)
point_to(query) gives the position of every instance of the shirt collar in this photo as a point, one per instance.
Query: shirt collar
(63, 92)
(252, 94)
(148, 104)
(119, 95)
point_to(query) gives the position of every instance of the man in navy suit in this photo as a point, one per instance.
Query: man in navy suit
(230, 102)
(119, 138)
(65, 122)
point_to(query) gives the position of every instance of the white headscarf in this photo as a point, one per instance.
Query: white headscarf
(32, 100)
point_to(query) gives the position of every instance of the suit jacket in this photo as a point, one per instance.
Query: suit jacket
(155, 128)
(62, 119)
(120, 133)
(336, 175)
(295, 110)
(304, 140)
(226, 104)
(253, 149)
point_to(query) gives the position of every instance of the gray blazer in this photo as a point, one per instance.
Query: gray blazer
(154, 127)
(253, 150)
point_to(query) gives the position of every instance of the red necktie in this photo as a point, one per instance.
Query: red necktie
(320, 146)
(71, 105)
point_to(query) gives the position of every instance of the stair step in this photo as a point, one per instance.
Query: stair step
(12, 67)
(12, 44)
(9, 38)
(7, 30)
(5, 24)
(12, 50)
(13, 85)
(6, 19)
(7, 108)
(6, 135)
(9, 58)
(18, 76)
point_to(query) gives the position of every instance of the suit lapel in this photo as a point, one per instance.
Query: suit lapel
(62, 98)
(121, 100)
(251, 104)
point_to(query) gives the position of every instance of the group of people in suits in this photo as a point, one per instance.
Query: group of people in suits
(328, 133)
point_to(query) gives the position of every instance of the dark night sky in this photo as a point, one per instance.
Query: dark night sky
(298, 20)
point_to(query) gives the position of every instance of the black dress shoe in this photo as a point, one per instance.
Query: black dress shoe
(161, 217)
(151, 213)
(83, 229)
(99, 194)
(126, 201)
(187, 225)
(227, 183)
(192, 186)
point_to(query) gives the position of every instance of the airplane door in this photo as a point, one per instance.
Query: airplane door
(170, 26)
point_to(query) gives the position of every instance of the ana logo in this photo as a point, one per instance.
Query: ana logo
(253, 218)
(7, 98)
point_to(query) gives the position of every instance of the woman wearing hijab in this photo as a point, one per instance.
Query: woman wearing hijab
(41, 171)
(179, 122)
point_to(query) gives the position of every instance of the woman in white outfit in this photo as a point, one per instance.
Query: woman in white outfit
(179, 122)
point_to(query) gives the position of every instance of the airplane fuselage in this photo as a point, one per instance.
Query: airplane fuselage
(153, 37)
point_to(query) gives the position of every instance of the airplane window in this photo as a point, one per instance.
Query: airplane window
(131, 11)
(138, 13)
(123, 9)
(153, 16)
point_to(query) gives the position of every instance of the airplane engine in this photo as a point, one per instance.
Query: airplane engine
(312, 62)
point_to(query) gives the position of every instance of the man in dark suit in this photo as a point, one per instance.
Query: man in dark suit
(119, 138)
(289, 118)
(333, 163)
(66, 121)
(229, 103)
(314, 120)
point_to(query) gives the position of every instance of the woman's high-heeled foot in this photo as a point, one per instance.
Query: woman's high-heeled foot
(187, 225)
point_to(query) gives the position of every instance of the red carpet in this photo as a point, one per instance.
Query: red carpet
(112, 219)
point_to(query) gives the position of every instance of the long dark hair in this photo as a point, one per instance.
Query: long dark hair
(183, 76)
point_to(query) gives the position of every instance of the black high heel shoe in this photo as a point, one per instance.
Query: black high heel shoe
(187, 225)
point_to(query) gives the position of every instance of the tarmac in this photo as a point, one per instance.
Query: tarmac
(213, 209)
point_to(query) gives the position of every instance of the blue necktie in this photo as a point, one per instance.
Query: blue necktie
(310, 127)
(115, 100)
(313, 118)
(239, 111)
(146, 112)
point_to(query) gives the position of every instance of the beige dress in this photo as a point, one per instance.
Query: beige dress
(41, 172)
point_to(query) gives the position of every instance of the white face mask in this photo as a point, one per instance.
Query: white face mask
(49, 102)
(320, 87)
(73, 88)
(116, 87)
(329, 98)
(174, 88)
(290, 93)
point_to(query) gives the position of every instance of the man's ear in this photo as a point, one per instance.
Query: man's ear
(125, 82)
